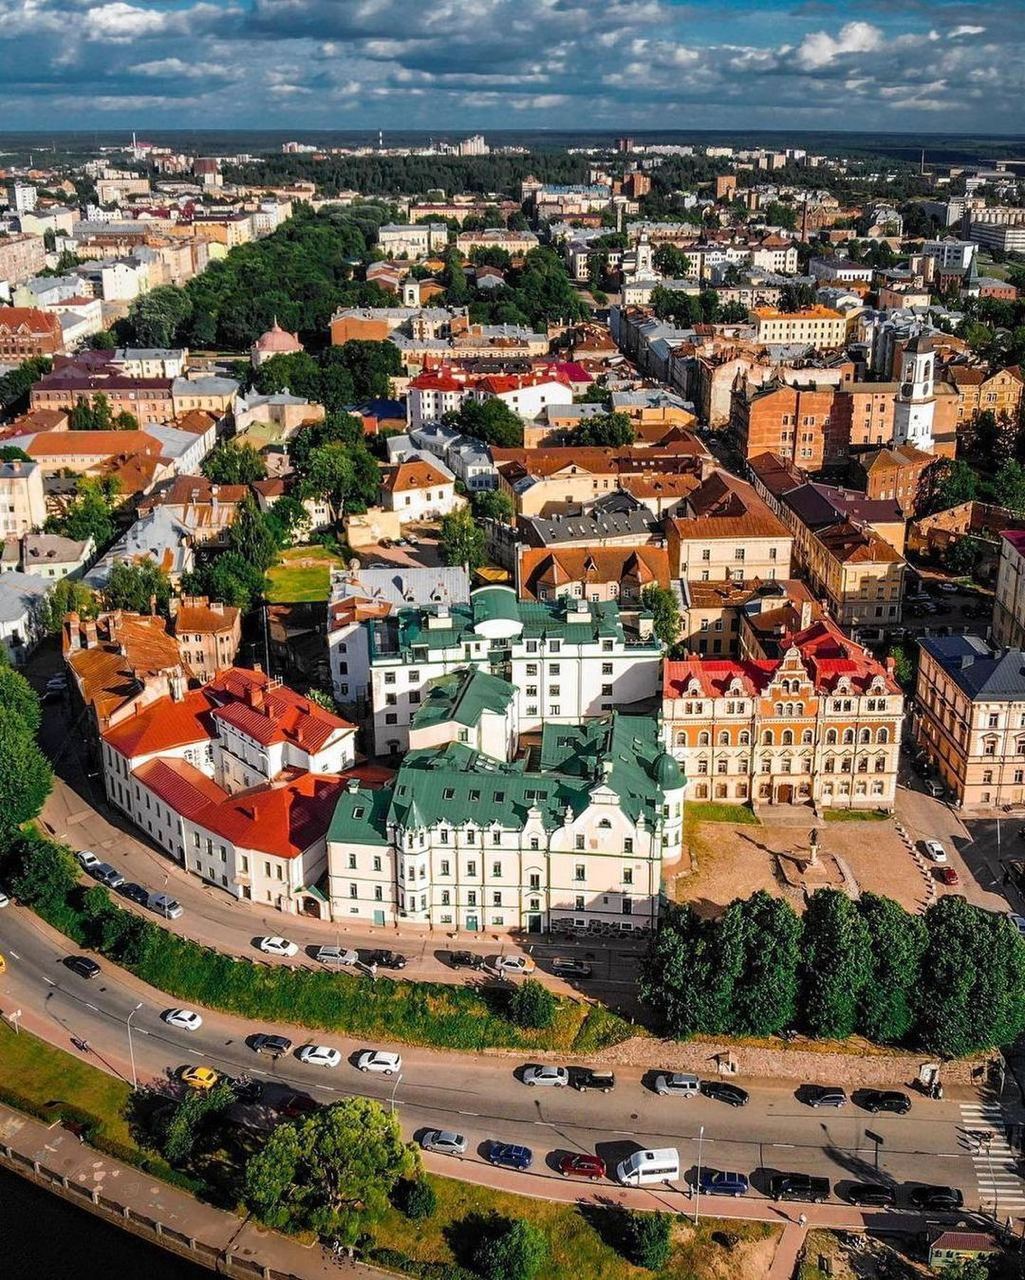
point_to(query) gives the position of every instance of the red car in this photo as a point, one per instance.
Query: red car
(582, 1166)
(947, 875)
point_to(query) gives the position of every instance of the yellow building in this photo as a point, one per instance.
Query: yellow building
(818, 326)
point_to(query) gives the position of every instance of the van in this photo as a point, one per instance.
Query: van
(646, 1167)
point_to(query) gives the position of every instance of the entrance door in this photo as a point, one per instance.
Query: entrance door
(471, 923)
(534, 923)
(785, 795)
(378, 917)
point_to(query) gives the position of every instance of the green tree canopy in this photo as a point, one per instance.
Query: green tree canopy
(493, 504)
(41, 872)
(90, 515)
(664, 607)
(896, 942)
(533, 1005)
(836, 964)
(233, 463)
(25, 774)
(489, 420)
(67, 596)
(251, 535)
(463, 541)
(510, 1249)
(18, 697)
(605, 430)
(958, 483)
(137, 586)
(1009, 486)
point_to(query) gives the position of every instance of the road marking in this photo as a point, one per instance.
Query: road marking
(14, 955)
(255, 1071)
(469, 1113)
(783, 1144)
(49, 981)
(141, 1031)
(91, 1006)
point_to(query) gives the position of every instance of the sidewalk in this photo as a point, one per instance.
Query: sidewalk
(53, 1157)
(788, 1250)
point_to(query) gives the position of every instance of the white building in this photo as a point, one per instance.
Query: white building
(420, 490)
(915, 403)
(21, 597)
(22, 500)
(412, 240)
(950, 253)
(465, 841)
(568, 659)
(21, 196)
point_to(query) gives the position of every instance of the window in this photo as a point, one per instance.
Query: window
(535, 880)
(628, 875)
(580, 872)
(606, 668)
(704, 739)
(445, 868)
(496, 870)
(471, 867)
(579, 902)
(628, 845)
(352, 862)
(579, 842)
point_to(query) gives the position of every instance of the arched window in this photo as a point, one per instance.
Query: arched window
(704, 738)
(788, 738)
(848, 737)
(790, 708)
(724, 738)
(767, 738)
(806, 737)
(766, 764)
(866, 735)
(883, 736)
(779, 708)
(1019, 747)
(830, 737)
(744, 738)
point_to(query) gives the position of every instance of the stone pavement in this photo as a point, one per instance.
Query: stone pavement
(789, 1248)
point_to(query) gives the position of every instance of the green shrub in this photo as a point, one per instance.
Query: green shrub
(533, 1005)
(646, 1239)
(416, 1198)
(510, 1250)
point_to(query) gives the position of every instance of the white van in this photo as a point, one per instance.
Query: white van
(646, 1167)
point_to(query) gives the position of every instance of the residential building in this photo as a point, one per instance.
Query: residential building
(468, 706)
(25, 332)
(727, 618)
(970, 718)
(22, 500)
(147, 399)
(901, 474)
(412, 240)
(21, 258)
(951, 1249)
(204, 509)
(47, 555)
(208, 634)
(616, 520)
(21, 598)
(726, 531)
(464, 841)
(795, 422)
(419, 490)
(979, 389)
(588, 573)
(156, 538)
(863, 415)
(1009, 596)
(568, 659)
(515, 243)
(817, 326)
(819, 725)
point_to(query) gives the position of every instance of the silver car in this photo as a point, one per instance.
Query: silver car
(678, 1085)
(554, 1077)
(444, 1142)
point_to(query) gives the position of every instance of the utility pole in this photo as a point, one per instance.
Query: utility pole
(697, 1183)
(131, 1051)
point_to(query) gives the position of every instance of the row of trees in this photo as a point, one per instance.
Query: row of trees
(950, 982)
(98, 415)
(689, 309)
(534, 294)
(25, 775)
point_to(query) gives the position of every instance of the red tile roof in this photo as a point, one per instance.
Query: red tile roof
(418, 474)
(180, 785)
(164, 725)
(283, 820)
(28, 320)
(266, 710)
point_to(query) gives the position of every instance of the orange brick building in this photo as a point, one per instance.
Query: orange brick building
(864, 413)
(27, 332)
(796, 423)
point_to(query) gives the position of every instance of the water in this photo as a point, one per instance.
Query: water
(44, 1238)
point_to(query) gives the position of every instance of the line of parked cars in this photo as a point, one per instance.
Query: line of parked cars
(160, 903)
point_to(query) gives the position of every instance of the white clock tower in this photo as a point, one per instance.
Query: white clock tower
(913, 409)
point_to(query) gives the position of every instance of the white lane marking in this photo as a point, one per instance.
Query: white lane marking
(783, 1144)
(14, 955)
(141, 1031)
(255, 1071)
(91, 1006)
(469, 1113)
(49, 981)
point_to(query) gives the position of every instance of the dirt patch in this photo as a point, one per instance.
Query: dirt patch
(725, 1250)
(858, 1257)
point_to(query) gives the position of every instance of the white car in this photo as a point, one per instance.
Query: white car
(515, 964)
(183, 1019)
(4, 899)
(87, 860)
(379, 1060)
(278, 947)
(553, 1077)
(319, 1055)
(934, 851)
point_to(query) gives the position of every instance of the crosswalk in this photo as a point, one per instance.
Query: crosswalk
(1001, 1189)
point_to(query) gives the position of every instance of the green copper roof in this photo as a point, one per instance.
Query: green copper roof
(463, 697)
(492, 603)
(360, 817)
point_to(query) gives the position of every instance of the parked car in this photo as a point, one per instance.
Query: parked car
(934, 851)
(582, 1165)
(947, 876)
(515, 964)
(183, 1019)
(949, 588)
(550, 1077)
(465, 960)
(387, 959)
(381, 1061)
(723, 1091)
(934, 788)
(572, 968)
(247, 1090)
(720, 1182)
(82, 965)
(319, 1055)
(135, 893)
(444, 1142)
(937, 1198)
(164, 905)
(799, 1186)
(108, 875)
(278, 947)
(297, 1105)
(893, 1100)
(273, 1045)
(511, 1155)
(4, 900)
(1018, 921)
(88, 860)
(200, 1077)
(872, 1195)
(825, 1095)
(592, 1078)
(336, 955)
(677, 1084)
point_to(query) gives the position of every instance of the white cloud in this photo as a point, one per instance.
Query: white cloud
(820, 48)
(966, 31)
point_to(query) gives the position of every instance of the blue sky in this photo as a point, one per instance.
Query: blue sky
(916, 65)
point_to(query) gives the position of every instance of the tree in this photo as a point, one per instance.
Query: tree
(690, 972)
(958, 483)
(665, 610)
(671, 262)
(158, 318)
(18, 697)
(66, 596)
(1009, 486)
(138, 587)
(370, 365)
(42, 872)
(463, 541)
(11, 453)
(490, 420)
(493, 504)
(329, 473)
(905, 664)
(181, 1127)
(782, 215)
(796, 297)
(605, 430)
(88, 516)
(532, 1005)
(230, 578)
(416, 1198)
(769, 940)
(968, 1269)
(647, 1239)
(835, 964)
(963, 557)
(251, 536)
(14, 386)
(331, 1172)
(25, 774)
(971, 991)
(896, 942)
(233, 463)
(510, 1249)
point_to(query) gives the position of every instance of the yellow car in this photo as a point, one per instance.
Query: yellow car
(200, 1077)
(3, 964)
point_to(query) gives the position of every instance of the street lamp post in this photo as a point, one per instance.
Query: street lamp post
(697, 1182)
(16, 1019)
(394, 1090)
(131, 1050)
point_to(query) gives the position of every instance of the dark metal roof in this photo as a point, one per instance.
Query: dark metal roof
(979, 670)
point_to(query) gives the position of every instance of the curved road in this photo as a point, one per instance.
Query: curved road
(481, 1097)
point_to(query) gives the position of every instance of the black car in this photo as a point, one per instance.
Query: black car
(590, 1078)
(275, 1045)
(572, 968)
(82, 965)
(825, 1095)
(798, 1186)
(930, 1197)
(135, 893)
(247, 1089)
(886, 1100)
(465, 960)
(387, 959)
(871, 1194)
(722, 1091)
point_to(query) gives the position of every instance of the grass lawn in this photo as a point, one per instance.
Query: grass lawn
(304, 573)
(856, 815)
(582, 1243)
(709, 811)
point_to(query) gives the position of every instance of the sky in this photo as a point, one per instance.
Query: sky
(947, 66)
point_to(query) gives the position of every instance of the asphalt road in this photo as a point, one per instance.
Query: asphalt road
(481, 1097)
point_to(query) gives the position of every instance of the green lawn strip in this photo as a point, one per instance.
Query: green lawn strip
(711, 811)
(291, 582)
(581, 1242)
(46, 1082)
(856, 815)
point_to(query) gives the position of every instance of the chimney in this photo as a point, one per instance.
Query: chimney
(805, 614)
(72, 637)
(352, 785)
(91, 636)
(254, 696)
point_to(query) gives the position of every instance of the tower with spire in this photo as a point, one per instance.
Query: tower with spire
(916, 403)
